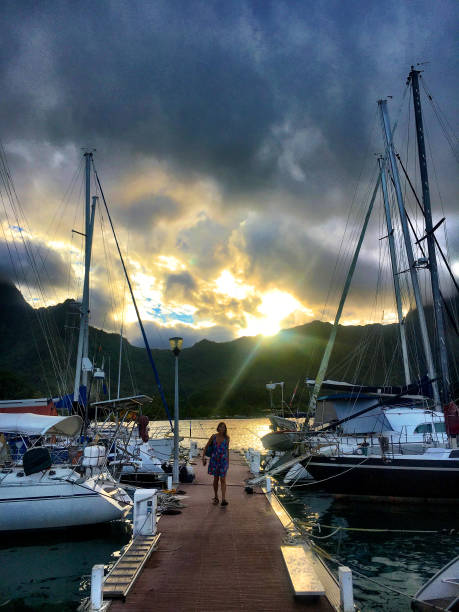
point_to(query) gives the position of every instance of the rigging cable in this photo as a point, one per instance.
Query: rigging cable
(43, 320)
(440, 250)
(147, 346)
(450, 137)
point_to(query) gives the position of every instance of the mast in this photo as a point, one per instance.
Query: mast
(84, 378)
(82, 365)
(430, 237)
(393, 259)
(409, 249)
(119, 361)
(331, 341)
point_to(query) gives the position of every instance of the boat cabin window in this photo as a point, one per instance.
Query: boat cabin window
(440, 427)
(424, 428)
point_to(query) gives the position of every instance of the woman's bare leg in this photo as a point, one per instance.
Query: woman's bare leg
(223, 486)
(216, 487)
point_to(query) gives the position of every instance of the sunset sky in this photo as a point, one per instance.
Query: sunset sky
(236, 144)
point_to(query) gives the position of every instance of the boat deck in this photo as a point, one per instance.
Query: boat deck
(214, 558)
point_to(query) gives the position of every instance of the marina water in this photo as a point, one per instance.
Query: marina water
(391, 548)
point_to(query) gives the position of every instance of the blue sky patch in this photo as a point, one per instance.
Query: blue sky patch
(168, 317)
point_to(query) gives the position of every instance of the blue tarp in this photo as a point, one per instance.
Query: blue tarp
(65, 403)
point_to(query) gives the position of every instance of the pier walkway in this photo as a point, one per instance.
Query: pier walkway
(218, 558)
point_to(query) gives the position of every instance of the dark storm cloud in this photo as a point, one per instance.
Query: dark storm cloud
(205, 242)
(214, 88)
(32, 265)
(180, 286)
(100, 305)
(301, 260)
(232, 135)
(143, 214)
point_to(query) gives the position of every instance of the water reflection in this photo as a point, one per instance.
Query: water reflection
(398, 545)
(50, 570)
(244, 433)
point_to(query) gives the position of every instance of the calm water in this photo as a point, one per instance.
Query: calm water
(51, 571)
(401, 561)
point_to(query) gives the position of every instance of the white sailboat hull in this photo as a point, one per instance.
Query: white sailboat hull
(44, 501)
(281, 440)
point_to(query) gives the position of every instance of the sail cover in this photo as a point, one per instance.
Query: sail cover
(421, 387)
(39, 425)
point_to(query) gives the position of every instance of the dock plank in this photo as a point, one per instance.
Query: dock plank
(212, 557)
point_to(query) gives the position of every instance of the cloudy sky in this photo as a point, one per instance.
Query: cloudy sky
(235, 142)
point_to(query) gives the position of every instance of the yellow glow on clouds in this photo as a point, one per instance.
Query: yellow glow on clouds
(170, 263)
(227, 284)
(146, 291)
(389, 317)
(349, 322)
(155, 179)
(275, 307)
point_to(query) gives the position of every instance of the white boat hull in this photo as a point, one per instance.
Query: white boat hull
(281, 440)
(296, 473)
(53, 501)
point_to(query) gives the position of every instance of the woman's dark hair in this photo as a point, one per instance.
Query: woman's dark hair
(226, 429)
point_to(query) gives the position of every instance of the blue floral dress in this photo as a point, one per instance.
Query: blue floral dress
(218, 464)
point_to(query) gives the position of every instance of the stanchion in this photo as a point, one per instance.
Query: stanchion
(268, 484)
(345, 588)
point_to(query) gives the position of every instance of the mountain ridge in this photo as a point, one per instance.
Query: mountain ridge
(216, 378)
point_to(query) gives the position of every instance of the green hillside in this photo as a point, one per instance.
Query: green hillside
(37, 348)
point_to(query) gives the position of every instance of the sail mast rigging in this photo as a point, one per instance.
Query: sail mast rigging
(393, 258)
(142, 329)
(331, 341)
(82, 360)
(440, 250)
(439, 319)
(409, 249)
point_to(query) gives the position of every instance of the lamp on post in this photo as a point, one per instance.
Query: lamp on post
(176, 347)
(271, 386)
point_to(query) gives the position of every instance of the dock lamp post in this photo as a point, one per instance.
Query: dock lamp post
(176, 347)
(271, 386)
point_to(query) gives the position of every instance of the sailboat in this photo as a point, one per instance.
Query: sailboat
(381, 472)
(139, 457)
(35, 493)
(441, 592)
(137, 452)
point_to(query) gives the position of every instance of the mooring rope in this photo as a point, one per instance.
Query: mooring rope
(321, 552)
(316, 482)
(369, 530)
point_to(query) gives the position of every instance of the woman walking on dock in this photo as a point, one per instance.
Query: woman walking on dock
(217, 448)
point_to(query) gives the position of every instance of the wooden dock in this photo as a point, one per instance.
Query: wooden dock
(218, 558)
